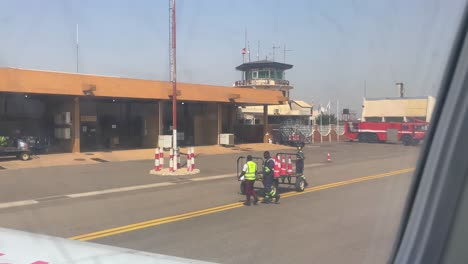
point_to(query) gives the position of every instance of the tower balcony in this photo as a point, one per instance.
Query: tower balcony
(261, 82)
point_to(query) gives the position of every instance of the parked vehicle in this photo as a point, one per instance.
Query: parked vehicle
(393, 132)
(15, 147)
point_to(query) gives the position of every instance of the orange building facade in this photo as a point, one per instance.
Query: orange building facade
(79, 112)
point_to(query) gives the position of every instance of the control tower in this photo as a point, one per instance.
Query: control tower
(264, 74)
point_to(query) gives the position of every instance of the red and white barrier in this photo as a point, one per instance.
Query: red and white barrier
(290, 170)
(156, 159)
(171, 160)
(174, 165)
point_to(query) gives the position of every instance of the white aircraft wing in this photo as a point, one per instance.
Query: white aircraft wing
(23, 247)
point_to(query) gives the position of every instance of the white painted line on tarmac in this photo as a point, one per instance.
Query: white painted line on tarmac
(17, 203)
(123, 189)
(313, 165)
(207, 178)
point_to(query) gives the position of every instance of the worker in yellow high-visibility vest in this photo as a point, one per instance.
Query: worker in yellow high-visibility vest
(249, 173)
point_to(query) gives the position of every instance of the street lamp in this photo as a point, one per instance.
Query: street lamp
(174, 82)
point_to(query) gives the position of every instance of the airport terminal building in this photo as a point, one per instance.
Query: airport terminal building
(79, 112)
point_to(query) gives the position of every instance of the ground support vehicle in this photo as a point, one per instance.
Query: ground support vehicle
(15, 147)
(392, 132)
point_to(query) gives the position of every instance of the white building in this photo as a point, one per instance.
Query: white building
(295, 110)
(398, 109)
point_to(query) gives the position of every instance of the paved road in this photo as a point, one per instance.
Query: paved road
(343, 217)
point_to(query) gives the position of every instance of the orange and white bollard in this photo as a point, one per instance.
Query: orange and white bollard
(329, 157)
(171, 160)
(290, 170)
(156, 159)
(283, 165)
(189, 159)
(192, 158)
(161, 159)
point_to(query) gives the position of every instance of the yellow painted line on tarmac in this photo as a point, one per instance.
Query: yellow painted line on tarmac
(341, 183)
(175, 218)
(154, 222)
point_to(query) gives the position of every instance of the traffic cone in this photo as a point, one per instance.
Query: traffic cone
(329, 157)
(283, 166)
(277, 168)
(290, 170)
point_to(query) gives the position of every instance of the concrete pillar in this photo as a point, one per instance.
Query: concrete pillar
(233, 120)
(220, 121)
(265, 123)
(76, 125)
(160, 117)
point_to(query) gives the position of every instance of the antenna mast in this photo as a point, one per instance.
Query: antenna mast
(245, 46)
(274, 48)
(248, 49)
(284, 53)
(258, 51)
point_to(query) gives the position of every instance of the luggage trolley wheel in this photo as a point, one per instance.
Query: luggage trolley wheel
(300, 184)
(242, 187)
(24, 156)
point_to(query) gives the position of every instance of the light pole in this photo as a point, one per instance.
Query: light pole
(174, 82)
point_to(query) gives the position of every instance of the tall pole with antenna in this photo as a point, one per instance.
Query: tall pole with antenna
(244, 51)
(258, 51)
(284, 59)
(284, 53)
(248, 49)
(77, 50)
(172, 40)
(274, 48)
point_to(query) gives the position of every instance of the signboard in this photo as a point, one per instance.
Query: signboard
(85, 118)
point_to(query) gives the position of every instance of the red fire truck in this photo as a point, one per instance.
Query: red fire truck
(392, 132)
